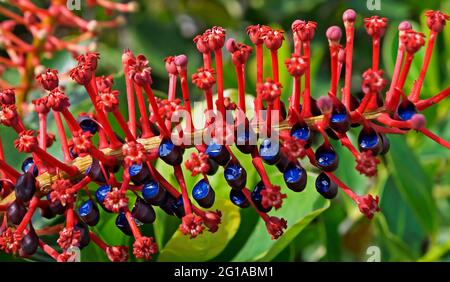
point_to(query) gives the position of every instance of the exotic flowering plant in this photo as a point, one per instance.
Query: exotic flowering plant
(275, 135)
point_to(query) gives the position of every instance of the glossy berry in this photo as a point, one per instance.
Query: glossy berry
(238, 198)
(406, 110)
(213, 167)
(218, 153)
(15, 212)
(89, 213)
(143, 211)
(139, 173)
(369, 140)
(170, 153)
(28, 164)
(235, 175)
(153, 193)
(257, 197)
(25, 187)
(123, 225)
(270, 151)
(295, 177)
(167, 204)
(339, 120)
(244, 138)
(326, 158)
(327, 188)
(55, 206)
(178, 207)
(283, 163)
(84, 232)
(203, 194)
(100, 195)
(302, 132)
(29, 242)
(385, 142)
(87, 124)
(95, 172)
(47, 212)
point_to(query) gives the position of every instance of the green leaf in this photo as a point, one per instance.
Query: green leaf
(208, 245)
(413, 184)
(299, 209)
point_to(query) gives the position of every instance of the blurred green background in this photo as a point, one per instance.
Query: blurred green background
(413, 181)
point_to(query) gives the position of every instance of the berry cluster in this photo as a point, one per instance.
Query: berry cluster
(125, 162)
(46, 27)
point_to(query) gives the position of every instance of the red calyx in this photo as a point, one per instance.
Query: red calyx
(204, 78)
(7, 96)
(273, 39)
(269, 90)
(48, 79)
(61, 192)
(304, 30)
(134, 152)
(375, 26)
(192, 225)
(144, 248)
(197, 163)
(373, 81)
(272, 197)
(368, 205)
(436, 20)
(412, 40)
(275, 226)
(296, 65)
(212, 220)
(26, 142)
(139, 70)
(108, 101)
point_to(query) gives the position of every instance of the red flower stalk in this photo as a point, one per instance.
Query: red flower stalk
(204, 79)
(239, 56)
(376, 28)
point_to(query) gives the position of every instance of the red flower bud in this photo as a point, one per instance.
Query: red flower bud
(368, 205)
(58, 100)
(134, 152)
(436, 20)
(144, 248)
(272, 197)
(413, 40)
(212, 220)
(48, 79)
(296, 65)
(41, 105)
(269, 90)
(192, 225)
(373, 81)
(82, 142)
(139, 70)
(116, 200)
(7, 96)
(304, 30)
(375, 26)
(275, 226)
(8, 115)
(197, 163)
(108, 101)
(273, 39)
(204, 78)
(170, 65)
(26, 142)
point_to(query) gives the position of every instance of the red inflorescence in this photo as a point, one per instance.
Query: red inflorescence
(123, 165)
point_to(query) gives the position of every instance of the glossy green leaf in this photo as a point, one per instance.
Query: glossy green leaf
(414, 185)
(299, 209)
(208, 245)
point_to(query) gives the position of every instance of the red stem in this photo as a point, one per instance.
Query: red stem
(375, 52)
(219, 69)
(297, 90)
(146, 130)
(391, 98)
(43, 131)
(241, 86)
(52, 161)
(151, 98)
(136, 233)
(415, 93)
(435, 138)
(130, 103)
(406, 68)
(99, 242)
(259, 75)
(48, 250)
(70, 120)
(26, 219)
(63, 137)
(8, 170)
(275, 74)
(306, 98)
(184, 193)
(350, 32)
(124, 126)
(423, 104)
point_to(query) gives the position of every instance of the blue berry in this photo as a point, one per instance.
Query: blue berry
(170, 153)
(84, 232)
(89, 213)
(100, 195)
(143, 211)
(95, 172)
(235, 175)
(302, 132)
(219, 153)
(87, 124)
(270, 151)
(295, 177)
(406, 110)
(123, 225)
(238, 198)
(153, 193)
(245, 138)
(369, 140)
(257, 197)
(27, 164)
(213, 167)
(178, 207)
(203, 194)
(139, 173)
(326, 158)
(339, 120)
(327, 188)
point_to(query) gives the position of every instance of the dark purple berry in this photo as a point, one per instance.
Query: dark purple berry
(170, 153)
(25, 187)
(326, 158)
(235, 175)
(203, 194)
(327, 188)
(29, 242)
(257, 197)
(15, 212)
(295, 177)
(238, 198)
(143, 211)
(139, 173)
(219, 153)
(89, 213)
